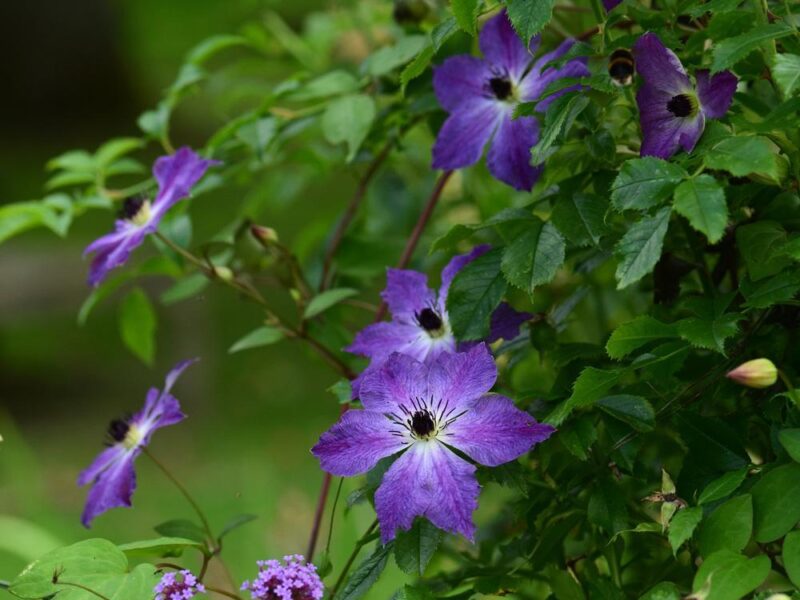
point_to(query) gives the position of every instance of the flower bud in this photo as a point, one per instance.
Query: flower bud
(756, 373)
(265, 235)
(223, 273)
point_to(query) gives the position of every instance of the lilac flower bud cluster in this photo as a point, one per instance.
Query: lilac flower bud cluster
(293, 580)
(178, 586)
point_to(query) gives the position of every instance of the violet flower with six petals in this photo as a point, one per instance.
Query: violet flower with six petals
(112, 475)
(175, 175)
(671, 111)
(481, 96)
(420, 326)
(423, 411)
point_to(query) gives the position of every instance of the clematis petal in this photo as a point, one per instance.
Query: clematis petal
(462, 378)
(506, 322)
(112, 251)
(452, 268)
(357, 442)
(406, 293)
(715, 93)
(460, 79)
(176, 174)
(610, 5)
(509, 158)
(466, 131)
(176, 372)
(541, 75)
(396, 382)
(112, 488)
(428, 481)
(659, 67)
(662, 132)
(105, 459)
(502, 47)
(494, 431)
(379, 340)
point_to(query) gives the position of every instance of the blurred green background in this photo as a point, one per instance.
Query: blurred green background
(79, 73)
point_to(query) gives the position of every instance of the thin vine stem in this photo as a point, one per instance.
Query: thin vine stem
(333, 514)
(359, 545)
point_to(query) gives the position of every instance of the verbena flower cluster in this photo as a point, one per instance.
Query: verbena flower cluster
(292, 579)
(182, 585)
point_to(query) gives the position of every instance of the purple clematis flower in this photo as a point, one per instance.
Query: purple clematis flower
(420, 326)
(481, 96)
(112, 475)
(175, 175)
(610, 5)
(423, 411)
(671, 111)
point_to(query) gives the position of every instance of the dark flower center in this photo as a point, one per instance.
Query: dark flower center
(501, 87)
(118, 429)
(680, 105)
(131, 207)
(422, 423)
(429, 320)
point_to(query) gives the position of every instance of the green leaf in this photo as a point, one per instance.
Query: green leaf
(181, 528)
(408, 592)
(389, 58)
(367, 573)
(606, 507)
(165, 546)
(722, 486)
(762, 247)
(460, 232)
(417, 66)
(634, 334)
(731, 50)
(767, 292)
(557, 121)
(348, 119)
(581, 218)
(528, 17)
(775, 503)
(213, 45)
(343, 390)
(474, 294)
(137, 325)
(742, 155)
(114, 149)
(18, 217)
(533, 258)
(185, 288)
(640, 248)
(466, 14)
(790, 440)
(25, 539)
(633, 410)
(729, 527)
(709, 334)
(74, 160)
(591, 385)
(786, 73)
(234, 523)
(327, 299)
(645, 182)
(263, 336)
(96, 563)
(666, 590)
(730, 576)
(413, 549)
(791, 556)
(702, 201)
(682, 526)
(330, 84)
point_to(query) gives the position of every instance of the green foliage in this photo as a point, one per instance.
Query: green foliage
(640, 248)
(137, 325)
(474, 294)
(413, 549)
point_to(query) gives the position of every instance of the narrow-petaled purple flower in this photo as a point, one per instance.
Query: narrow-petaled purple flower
(112, 475)
(423, 411)
(293, 580)
(175, 175)
(610, 5)
(420, 325)
(481, 96)
(672, 112)
(178, 586)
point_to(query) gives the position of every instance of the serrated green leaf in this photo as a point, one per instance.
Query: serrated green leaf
(730, 576)
(529, 17)
(743, 155)
(413, 549)
(729, 527)
(702, 201)
(645, 182)
(633, 410)
(367, 573)
(591, 385)
(682, 526)
(322, 302)
(557, 122)
(731, 50)
(466, 14)
(786, 72)
(474, 294)
(348, 120)
(767, 292)
(581, 218)
(634, 334)
(761, 245)
(534, 257)
(263, 336)
(722, 486)
(640, 248)
(775, 503)
(137, 325)
(417, 66)
(710, 334)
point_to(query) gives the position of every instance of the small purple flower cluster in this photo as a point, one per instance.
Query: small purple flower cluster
(293, 580)
(182, 585)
